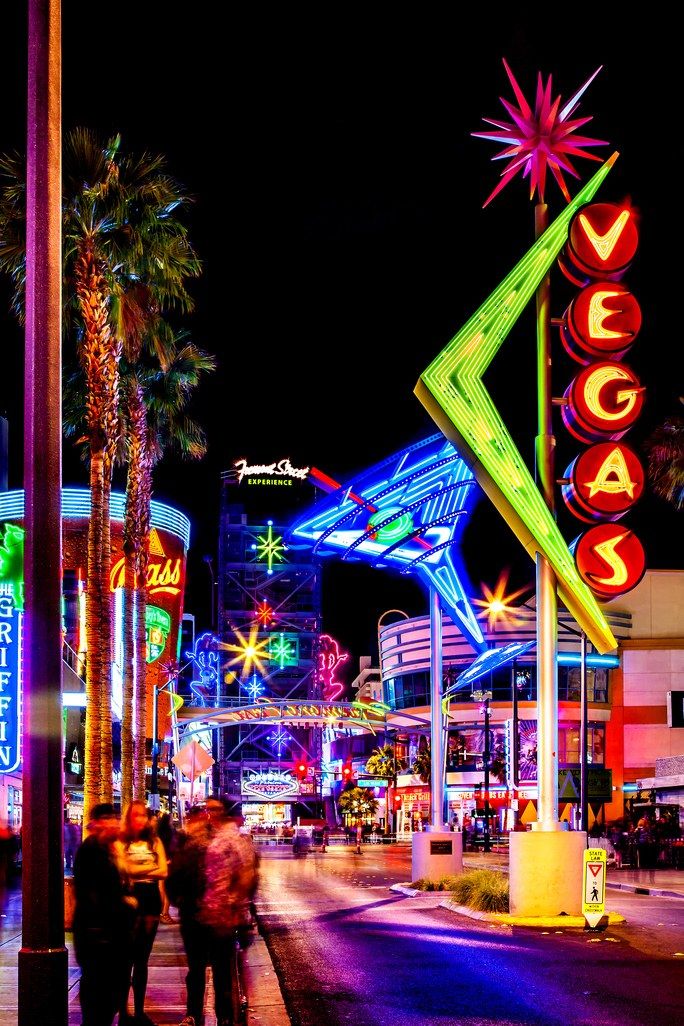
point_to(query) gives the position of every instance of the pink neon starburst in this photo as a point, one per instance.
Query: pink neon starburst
(540, 139)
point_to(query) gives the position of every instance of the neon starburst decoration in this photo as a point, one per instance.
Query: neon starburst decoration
(270, 548)
(249, 651)
(253, 687)
(498, 605)
(542, 139)
(264, 614)
(282, 650)
(279, 739)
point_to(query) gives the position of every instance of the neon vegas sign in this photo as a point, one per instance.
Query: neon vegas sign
(605, 399)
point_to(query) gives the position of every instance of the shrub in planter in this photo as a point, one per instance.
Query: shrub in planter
(482, 889)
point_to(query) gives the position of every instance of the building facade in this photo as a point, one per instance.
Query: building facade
(269, 633)
(169, 543)
(627, 703)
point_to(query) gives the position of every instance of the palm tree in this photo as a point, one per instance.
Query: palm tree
(126, 259)
(665, 450)
(422, 766)
(358, 803)
(383, 762)
(154, 400)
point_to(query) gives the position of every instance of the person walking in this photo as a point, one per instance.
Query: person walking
(212, 881)
(71, 842)
(167, 835)
(142, 861)
(103, 920)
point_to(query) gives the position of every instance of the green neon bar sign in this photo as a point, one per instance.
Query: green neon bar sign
(453, 393)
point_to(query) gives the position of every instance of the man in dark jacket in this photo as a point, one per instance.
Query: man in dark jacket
(102, 921)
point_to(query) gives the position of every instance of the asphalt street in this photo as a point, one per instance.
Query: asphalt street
(347, 950)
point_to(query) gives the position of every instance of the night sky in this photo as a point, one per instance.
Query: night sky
(338, 212)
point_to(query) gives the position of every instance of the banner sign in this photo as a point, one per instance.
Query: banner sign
(358, 714)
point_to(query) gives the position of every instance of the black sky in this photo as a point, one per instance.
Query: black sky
(338, 196)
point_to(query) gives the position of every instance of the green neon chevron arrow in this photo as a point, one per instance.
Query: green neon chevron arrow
(452, 391)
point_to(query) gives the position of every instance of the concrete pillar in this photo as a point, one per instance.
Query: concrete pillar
(436, 854)
(545, 872)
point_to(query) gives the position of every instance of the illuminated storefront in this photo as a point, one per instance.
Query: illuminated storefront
(630, 723)
(169, 541)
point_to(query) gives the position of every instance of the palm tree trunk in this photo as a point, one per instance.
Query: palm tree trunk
(128, 677)
(141, 604)
(106, 641)
(92, 793)
(99, 353)
(140, 691)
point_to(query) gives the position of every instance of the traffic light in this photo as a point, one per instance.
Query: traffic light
(347, 772)
(301, 769)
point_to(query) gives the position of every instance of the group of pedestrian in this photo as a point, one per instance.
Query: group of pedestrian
(123, 883)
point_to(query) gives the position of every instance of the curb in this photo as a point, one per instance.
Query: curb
(638, 889)
(505, 918)
(544, 922)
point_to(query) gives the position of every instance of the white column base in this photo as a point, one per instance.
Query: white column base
(545, 872)
(435, 854)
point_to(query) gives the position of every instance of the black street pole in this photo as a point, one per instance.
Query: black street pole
(216, 738)
(584, 735)
(154, 790)
(486, 846)
(154, 780)
(43, 961)
(515, 749)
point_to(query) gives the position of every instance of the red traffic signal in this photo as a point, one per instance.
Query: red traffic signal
(347, 771)
(301, 770)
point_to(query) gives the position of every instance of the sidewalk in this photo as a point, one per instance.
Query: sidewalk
(165, 1002)
(665, 882)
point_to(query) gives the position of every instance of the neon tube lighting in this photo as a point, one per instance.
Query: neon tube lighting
(76, 505)
(453, 392)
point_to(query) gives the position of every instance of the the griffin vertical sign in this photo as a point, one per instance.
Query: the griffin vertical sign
(594, 886)
(11, 610)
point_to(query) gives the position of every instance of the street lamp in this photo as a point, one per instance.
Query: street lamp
(484, 697)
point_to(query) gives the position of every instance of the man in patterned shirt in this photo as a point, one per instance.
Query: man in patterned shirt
(212, 882)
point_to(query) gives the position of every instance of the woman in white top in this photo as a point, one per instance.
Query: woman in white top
(142, 861)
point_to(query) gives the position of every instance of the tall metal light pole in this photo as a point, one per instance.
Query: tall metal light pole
(43, 963)
(584, 737)
(547, 602)
(484, 696)
(154, 779)
(216, 735)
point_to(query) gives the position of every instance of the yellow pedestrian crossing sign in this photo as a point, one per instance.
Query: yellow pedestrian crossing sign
(594, 886)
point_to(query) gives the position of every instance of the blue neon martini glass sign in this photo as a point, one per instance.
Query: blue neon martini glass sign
(406, 513)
